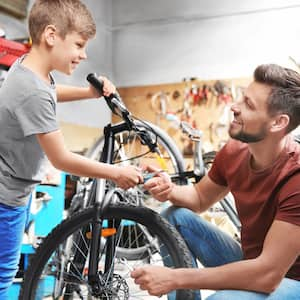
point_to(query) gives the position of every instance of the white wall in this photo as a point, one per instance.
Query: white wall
(141, 42)
(205, 39)
(93, 113)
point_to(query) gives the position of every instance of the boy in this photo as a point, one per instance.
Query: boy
(59, 30)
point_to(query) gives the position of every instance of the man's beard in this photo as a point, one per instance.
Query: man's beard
(247, 137)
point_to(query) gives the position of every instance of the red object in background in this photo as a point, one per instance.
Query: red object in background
(10, 51)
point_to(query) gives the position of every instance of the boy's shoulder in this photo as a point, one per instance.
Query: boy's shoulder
(22, 80)
(22, 85)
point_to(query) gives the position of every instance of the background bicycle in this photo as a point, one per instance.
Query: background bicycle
(223, 213)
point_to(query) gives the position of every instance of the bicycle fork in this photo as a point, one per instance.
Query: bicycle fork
(98, 281)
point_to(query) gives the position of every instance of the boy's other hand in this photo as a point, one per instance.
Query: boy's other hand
(108, 88)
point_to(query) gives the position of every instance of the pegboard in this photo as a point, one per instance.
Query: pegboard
(204, 104)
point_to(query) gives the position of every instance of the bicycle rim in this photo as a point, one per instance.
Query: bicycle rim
(59, 268)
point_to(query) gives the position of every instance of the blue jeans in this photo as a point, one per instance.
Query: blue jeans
(213, 247)
(12, 224)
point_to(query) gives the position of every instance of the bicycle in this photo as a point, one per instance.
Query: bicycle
(72, 262)
(202, 162)
(128, 149)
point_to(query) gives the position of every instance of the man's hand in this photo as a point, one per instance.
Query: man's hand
(160, 186)
(156, 280)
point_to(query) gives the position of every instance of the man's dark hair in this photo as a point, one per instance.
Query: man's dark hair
(285, 94)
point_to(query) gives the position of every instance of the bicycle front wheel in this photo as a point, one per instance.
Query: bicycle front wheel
(60, 266)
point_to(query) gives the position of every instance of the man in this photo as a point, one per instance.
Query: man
(260, 166)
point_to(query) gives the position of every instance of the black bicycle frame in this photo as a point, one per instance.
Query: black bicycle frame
(100, 205)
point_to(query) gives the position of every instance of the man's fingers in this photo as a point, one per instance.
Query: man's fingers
(137, 272)
(151, 168)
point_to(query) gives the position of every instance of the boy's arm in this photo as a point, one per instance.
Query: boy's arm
(70, 93)
(261, 274)
(53, 145)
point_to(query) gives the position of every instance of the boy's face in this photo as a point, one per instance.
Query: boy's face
(68, 52)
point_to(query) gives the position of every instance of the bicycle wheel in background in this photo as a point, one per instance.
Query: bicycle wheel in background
(129, 149)
(61, 262)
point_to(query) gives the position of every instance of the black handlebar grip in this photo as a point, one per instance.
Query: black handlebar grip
(114, 100)
(95, 82)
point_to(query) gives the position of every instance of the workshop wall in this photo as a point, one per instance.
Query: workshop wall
(204, 39)
(141, 43)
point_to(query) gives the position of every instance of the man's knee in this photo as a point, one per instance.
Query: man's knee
(174, 214)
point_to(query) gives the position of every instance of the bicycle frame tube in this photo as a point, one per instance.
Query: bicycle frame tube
(199, 168)
(101, 203)
(107, 156)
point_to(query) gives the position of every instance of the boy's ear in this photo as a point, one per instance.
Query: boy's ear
(280, 122)
(50, 34)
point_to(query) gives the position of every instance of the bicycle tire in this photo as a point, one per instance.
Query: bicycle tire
(43, 266)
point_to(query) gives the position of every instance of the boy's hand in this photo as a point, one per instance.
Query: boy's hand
(155, 279)
(160, 186)
(127, 177)
(108, 88)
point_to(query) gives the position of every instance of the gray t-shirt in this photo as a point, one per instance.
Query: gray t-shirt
(27, 107)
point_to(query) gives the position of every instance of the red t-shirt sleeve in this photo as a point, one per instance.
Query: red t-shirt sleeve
(289, 201)
(216, 173)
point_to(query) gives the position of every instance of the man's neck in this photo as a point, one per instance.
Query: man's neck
(265, 153)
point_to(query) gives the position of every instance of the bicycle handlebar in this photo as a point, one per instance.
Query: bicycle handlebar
(114, 101)
(117, 106)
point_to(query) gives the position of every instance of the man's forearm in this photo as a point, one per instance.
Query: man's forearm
(242, 275)
(185, 196)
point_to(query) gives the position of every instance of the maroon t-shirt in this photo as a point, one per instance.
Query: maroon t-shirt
(257, 200)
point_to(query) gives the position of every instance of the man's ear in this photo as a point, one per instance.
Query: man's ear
(50, 35)
(280, 122)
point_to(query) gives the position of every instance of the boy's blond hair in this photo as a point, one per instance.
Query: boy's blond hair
(66, 15)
